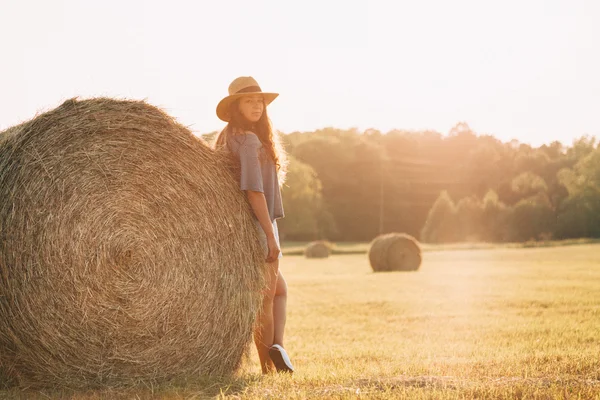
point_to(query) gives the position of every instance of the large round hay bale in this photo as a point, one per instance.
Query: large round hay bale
(127, 252)
(317, 249)
(395, 252)
(5, 134)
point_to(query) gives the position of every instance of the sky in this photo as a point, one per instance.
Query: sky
(526, 70)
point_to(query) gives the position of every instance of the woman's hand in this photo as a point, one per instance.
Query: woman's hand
(273, 249)
(259, 207)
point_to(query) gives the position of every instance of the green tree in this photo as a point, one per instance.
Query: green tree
(582, 146)
(494, 218)
(441, 226)
(532, 219)
(469, 211)
(528, 184)
(306, 216)
(531, 160)
(579, 214)
(482, 167)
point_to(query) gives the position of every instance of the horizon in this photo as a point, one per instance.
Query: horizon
(524, 71)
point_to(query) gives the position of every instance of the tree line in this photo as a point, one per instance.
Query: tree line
(347, 185)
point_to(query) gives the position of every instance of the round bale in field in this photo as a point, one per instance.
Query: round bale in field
(395, 252)
(317, 249)
(128, 253)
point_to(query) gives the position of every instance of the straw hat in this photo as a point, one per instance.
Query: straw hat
(242, 86)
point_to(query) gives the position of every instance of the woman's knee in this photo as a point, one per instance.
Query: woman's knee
(281, 287)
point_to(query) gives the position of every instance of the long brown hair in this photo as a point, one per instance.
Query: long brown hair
(263, 129)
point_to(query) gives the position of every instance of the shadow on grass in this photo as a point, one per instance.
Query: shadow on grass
(201, 388)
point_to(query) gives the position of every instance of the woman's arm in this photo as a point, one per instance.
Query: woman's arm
(259, 206)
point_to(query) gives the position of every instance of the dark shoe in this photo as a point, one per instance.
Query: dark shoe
(280, 359)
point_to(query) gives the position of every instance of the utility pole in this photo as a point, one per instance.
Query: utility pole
(380, 191)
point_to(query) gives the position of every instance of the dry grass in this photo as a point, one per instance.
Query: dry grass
(127, 252)
(297, 248)
(497, 323)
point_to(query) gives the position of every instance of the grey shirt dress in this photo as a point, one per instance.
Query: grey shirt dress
(258, 173)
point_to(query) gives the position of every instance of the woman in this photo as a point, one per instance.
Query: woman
(250, 139)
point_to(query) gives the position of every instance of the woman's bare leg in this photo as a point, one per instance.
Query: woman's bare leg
(264, 329)
(279, 310)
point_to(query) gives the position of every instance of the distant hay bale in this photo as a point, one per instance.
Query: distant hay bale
(127, 252)
(395, 252)
(318, 249)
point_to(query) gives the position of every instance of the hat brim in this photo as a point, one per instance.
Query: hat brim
(223, 106)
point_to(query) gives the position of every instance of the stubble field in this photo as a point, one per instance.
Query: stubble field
(498, 323)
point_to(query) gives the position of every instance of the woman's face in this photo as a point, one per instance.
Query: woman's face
(252, 107)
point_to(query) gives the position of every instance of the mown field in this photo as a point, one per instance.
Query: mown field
(499, 323)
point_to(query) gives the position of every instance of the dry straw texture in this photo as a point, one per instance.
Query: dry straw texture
(317, 249)
(395, 252)
(127, 253)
